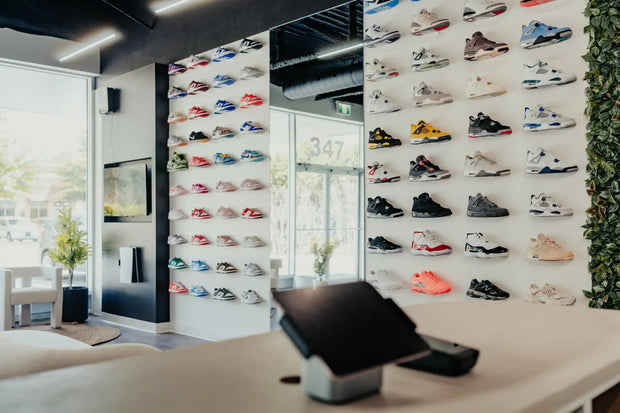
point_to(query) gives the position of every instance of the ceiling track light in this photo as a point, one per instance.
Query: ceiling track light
(340, 51)
(88, 47)
(171, 6)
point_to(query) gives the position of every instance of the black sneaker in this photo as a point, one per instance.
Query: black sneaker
(198, 137)
(424, 170)
(380, 208)
(480, 206)
(380, 245)
(425, 207)
(379, 138)
(486, 290)
(483, 125)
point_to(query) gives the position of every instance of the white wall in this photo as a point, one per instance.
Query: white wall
(204, 316)
(514, 273)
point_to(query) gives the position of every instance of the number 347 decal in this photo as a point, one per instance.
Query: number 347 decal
(328, 148)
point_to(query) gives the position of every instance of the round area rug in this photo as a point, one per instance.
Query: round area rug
(86, 333)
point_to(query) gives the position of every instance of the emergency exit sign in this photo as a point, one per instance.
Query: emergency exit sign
(343, 108)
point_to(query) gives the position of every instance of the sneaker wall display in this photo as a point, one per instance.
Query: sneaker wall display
(219, 178)
(475, 145)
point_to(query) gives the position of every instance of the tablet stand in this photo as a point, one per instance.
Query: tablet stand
(319, 383)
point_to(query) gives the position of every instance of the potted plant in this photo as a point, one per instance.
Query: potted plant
(71, 250)
(322, 255)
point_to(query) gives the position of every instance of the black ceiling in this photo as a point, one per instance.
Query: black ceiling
(324, 31)
(147, 38)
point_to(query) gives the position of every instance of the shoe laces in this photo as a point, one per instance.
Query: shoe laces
(548, 290)
(431, 239)
(488, 202)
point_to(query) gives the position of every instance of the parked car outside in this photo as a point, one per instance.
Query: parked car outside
(18, 228)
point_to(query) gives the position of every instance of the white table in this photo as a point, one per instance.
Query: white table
(534, 358)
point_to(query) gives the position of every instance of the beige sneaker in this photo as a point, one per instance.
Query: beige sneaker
(548, 294)
(544, 248)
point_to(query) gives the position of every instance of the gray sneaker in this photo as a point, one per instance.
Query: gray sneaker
(481, 207)
(479, 47)
(425, 95)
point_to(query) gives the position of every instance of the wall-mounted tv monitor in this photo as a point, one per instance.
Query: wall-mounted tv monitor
(127, 190)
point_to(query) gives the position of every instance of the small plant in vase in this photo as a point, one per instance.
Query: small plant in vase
(322, 255)
(71, 250)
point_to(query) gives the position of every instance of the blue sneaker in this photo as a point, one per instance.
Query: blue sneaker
(251, 156)
(176, 92)
(222, 80)
(222, 53)
(249, 127)
(223, 158)
(375, 6)
(223, 106)
(198, 265)
(537, 34)
(198, 291)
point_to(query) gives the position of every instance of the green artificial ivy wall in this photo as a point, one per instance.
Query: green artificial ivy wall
(603, 150)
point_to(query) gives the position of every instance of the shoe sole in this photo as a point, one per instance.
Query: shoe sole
(225, 272)
(531, 299)
(537, 258)
(485, 54)
(382, 7)
(482, 255)
(223, 298)
(547, 40)
(535, 84)
(380, 216)
(427, 179)
(438, 26)
(483, 296)
(483, 173)
(390, 75)
(177, 268)
(250, 302)
(374, 112)
(383, 252)
(428, 215)
(491, 94)
(539, 213)
(488, 134)
(424, 291)
(535, 127)
(421, 141)
(486, 14)
(425, 102)
(430, 253)
(199, 245)
(387, 39)
(547, 170)
(484, 215)
(431, 66)
(377, 286)
(377, 146)
(383, 181)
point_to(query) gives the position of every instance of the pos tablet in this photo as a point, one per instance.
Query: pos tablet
(351, 327)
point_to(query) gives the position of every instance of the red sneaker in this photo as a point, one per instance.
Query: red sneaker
(197, 112)
(176, 287)
(199, 161)
(427, 282)
(200, 213)
(248, 100)
(251, 213)
(200, 240)
(196, 87)
(425, 243)
(199, 189)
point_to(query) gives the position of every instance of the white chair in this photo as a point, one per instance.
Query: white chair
(16, 289)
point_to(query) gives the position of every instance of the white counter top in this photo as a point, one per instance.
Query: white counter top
(533, 358)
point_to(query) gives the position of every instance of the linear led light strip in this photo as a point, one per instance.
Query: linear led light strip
(170, 6)
(85, 48)
(344, 49)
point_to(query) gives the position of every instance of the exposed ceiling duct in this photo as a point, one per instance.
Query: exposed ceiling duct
(351, 77)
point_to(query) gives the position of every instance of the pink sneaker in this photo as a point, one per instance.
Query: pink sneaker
(177, 190)
(200, 240)
(225, 241)
(199, 161)
(199, 213)
(251, 185)
(224, 186)
(251, 213)
(199, 189)
(227, 213)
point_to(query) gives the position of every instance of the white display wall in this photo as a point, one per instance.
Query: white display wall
(516, 272)
(206, 317)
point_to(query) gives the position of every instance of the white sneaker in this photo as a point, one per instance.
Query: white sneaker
(377, 70)
(478, 165)
(541, 74)
(382, 280)
(548, 294)
(377, 174)
(251, 242)
(225, 241)
(376, 35)
(250, 185)
(424, 60)
(425, 95)
(248, 72)
(478, 87)
(425, 22)
(541, 161)
(176, 141)
(476, 9)
(543, 205)
(224, 186)
(225, 213)
(250, 297)
(176, 239)
(477, 246)
(176, 214)
(379, 103)
(426, 243)
(252, 270)
(545, 119)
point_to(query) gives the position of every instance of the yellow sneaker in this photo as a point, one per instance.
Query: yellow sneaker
(378, 138)
(423, 132)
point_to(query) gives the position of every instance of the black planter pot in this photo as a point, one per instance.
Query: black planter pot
(74, 304)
